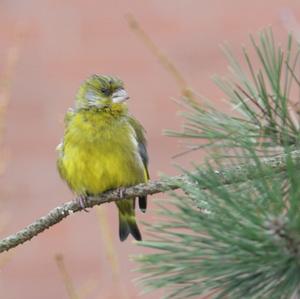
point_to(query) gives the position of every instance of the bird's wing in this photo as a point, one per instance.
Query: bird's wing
(142, 143)
(60, 147)
(142, 148)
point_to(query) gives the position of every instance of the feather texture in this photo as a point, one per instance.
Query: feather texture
(104, 148)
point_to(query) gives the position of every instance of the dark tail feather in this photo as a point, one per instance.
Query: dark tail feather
(127, 224)
(143, 203)
(123, 228)
(134, 230)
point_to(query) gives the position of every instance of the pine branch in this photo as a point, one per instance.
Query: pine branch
(59, 213)
(227, 176)
(245, 241)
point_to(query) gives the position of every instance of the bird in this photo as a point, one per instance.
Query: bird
(104, 148)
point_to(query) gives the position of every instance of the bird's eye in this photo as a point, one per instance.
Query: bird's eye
(105, 91)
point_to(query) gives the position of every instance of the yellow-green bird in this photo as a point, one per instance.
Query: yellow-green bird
(104, 147)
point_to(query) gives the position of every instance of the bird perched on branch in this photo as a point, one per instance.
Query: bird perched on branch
(104, 147)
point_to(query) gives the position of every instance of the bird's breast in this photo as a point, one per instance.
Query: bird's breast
(101, 153)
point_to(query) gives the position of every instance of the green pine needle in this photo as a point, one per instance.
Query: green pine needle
(263, 112)
(240, 240)
(243, 242)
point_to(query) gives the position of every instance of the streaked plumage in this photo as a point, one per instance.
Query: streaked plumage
(104, 147)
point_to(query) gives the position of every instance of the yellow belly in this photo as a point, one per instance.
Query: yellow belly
(98, 156)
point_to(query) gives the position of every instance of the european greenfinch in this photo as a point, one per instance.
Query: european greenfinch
(104, 147)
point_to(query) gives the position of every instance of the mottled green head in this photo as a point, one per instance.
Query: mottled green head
(100, 91)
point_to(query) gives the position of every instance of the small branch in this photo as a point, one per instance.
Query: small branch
(154, 49)
(72, 294)
(236, 174)
(284, 236)
(59, 213)
(163, 59)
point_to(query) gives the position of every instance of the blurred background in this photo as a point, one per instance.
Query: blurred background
(47, 48)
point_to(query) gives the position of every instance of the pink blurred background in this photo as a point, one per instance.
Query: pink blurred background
(55, 45)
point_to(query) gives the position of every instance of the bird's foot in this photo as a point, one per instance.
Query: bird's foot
(121, 191)
(82, 200)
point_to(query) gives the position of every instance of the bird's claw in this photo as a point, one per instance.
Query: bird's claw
(121, 191)
(82, 200)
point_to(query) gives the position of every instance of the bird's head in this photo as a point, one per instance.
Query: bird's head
(101, 92)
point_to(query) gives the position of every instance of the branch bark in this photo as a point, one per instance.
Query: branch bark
(229, 175)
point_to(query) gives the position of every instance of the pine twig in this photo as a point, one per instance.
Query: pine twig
(235, 174)
(59, 258)
(163, 59)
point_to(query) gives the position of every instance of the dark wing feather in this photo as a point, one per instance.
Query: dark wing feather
(142, 147)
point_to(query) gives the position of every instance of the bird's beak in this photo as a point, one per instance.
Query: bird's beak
(120, 96)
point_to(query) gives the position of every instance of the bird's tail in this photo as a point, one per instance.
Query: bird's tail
(143, 203)
(127, 222)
